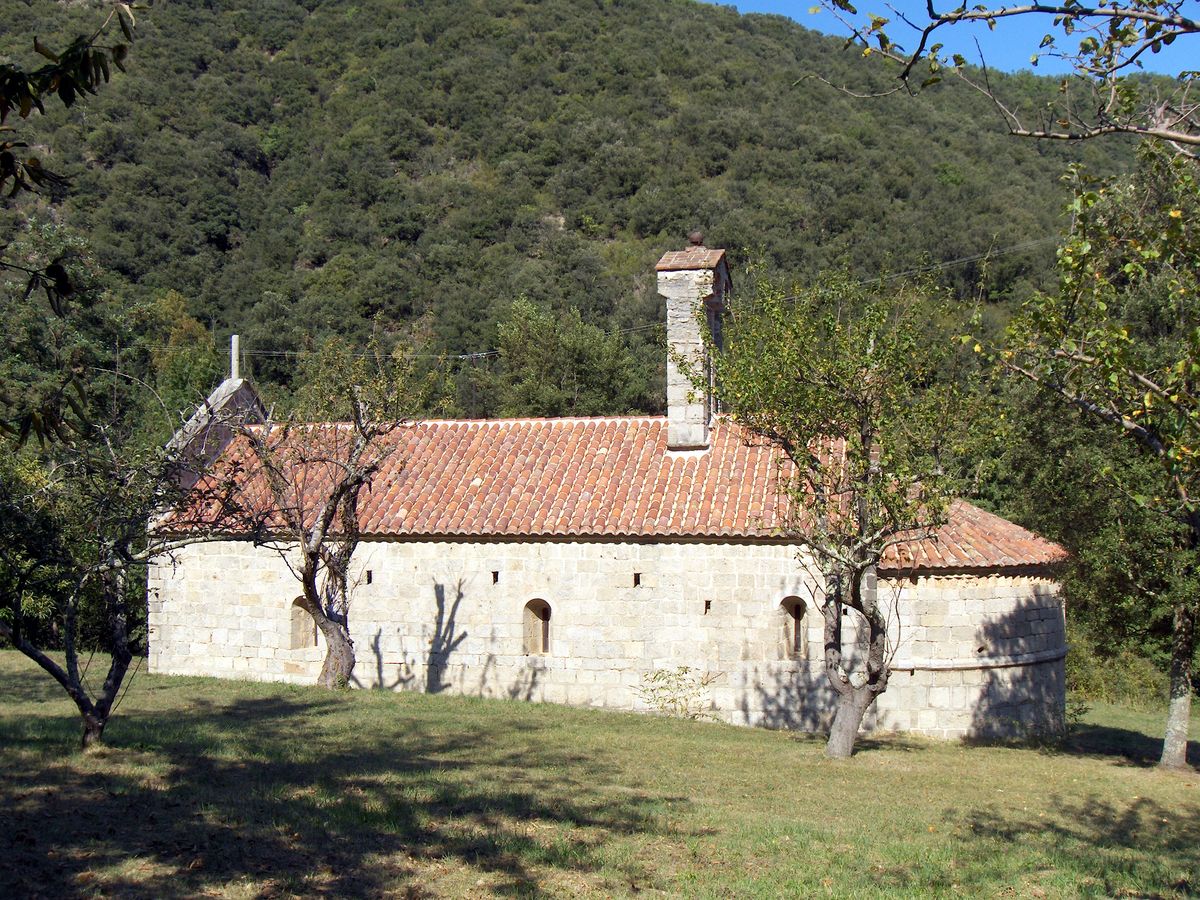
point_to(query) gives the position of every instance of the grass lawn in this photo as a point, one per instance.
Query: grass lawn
(251, 790)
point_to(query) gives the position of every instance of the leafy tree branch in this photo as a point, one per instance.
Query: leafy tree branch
(1099, 97)
(1120, 340)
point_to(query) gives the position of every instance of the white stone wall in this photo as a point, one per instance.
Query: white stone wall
(224, 609)
(432, 616)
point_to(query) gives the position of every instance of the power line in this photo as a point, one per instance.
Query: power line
(479, 354)
(963, 260)
(489, 354)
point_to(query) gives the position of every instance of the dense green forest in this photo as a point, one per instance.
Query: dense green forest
(294, 170)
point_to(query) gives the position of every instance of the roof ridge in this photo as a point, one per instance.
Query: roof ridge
(550, 420)
(515, 420)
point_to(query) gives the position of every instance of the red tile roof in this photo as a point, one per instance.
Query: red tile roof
(613, 477)
(974, 538)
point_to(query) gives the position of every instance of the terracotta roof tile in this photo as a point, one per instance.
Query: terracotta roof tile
(615, 478)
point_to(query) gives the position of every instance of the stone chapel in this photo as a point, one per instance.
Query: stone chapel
(567, 559)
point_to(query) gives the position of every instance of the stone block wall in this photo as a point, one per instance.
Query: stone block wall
(976, 656)
(688, 411)
(450, 616)
(224, 609)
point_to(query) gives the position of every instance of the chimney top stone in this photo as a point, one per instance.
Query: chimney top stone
(694, 257)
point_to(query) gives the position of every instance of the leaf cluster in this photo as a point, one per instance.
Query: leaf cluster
(74, 72)
(1121, 337)
(866, 392)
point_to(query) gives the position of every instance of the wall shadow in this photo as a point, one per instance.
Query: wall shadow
(404, 676)
(1022, 702)
(445, 639)
(796, 698)
(251, 792)
(803, 701)
(526, 684)
(982, 695)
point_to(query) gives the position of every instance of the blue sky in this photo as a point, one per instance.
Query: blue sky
(1008, 47)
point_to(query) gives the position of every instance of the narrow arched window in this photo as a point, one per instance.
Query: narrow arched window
(537, 627)
(793, 607)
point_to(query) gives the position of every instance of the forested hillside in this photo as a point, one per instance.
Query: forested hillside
(298, 169)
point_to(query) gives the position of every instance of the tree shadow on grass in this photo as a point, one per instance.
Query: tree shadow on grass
(1134, 748)
(1143, 848)
(869, 742)
(251, 794)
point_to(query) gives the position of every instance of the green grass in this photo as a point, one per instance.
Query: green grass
(249, 790)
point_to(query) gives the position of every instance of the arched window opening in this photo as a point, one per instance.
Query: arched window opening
(304, 629)
(537, 627)
(794, 608)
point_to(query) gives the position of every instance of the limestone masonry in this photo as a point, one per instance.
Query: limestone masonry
(565, 560)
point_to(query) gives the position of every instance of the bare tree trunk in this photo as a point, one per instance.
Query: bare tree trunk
(1183, 649)
(852, 706)
(1183, 646)
(853, 701)
(339, 657)
(339, 653)
(93, 716)
(93, 730)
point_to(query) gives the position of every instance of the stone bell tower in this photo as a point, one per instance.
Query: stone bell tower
(692, 279)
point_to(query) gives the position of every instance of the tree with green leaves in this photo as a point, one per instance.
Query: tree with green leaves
(85, 468)
(68, 75)
(1104, 45)
(74, 504)
(862, 390)
(1120, 341)
(559, 365)
(73, 541)
(1050, 466)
